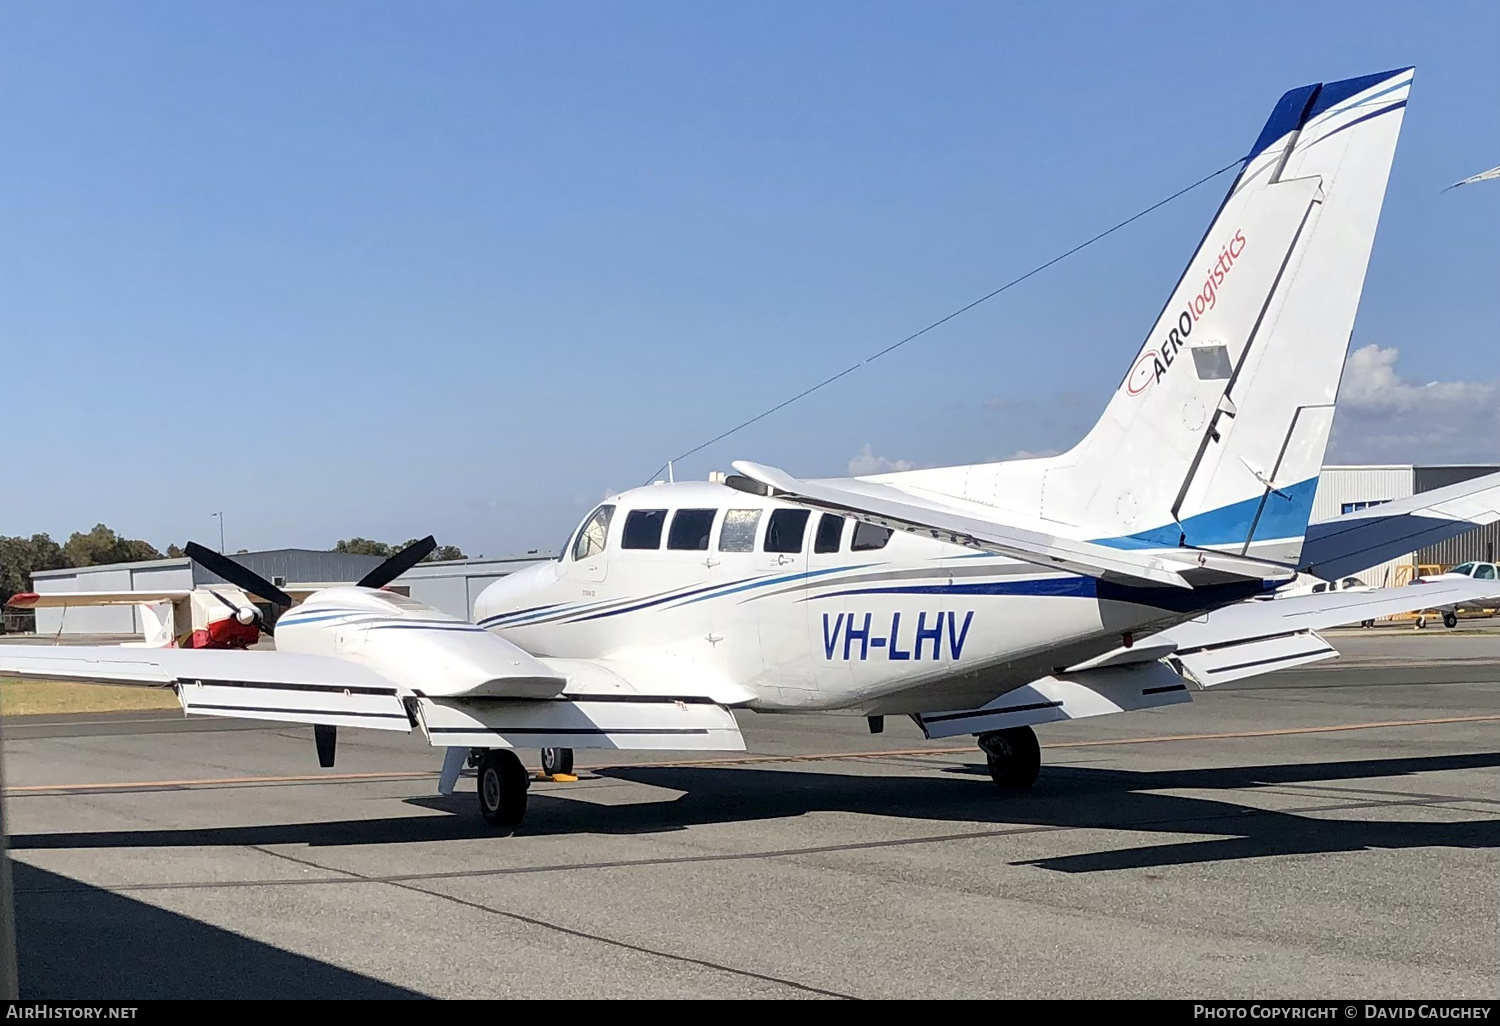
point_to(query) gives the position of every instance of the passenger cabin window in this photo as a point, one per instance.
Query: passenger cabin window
(784, 532)
(1353, 582)
(690, 529)
(1319, 589)
(830, 529)
(593, 534)
(868, 537)
(738, 532)
(643, 529)
(1484, 572)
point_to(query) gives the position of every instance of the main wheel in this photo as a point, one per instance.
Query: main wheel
(1450, 620)
(1014, 756)
(502, 788)
(557, 760)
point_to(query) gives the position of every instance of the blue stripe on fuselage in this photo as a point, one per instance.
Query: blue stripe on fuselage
(1284, 516)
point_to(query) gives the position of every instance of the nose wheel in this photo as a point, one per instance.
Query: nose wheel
(557, 760)
(1014, 757)
(502, 788)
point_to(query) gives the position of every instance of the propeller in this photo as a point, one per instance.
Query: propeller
(241, 577)
(398, 564)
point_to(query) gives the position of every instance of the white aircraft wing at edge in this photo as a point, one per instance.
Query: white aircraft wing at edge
(61, 600)
(891, 507)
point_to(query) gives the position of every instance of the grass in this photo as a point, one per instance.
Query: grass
(43, 697)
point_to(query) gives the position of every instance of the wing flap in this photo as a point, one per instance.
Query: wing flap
(650, 724)
(1067, 696)
(1220, 664)
(295, 703)
(899, 510)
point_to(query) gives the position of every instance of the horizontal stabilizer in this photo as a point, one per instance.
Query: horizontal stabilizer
(1357, 541)
(891, 507)
(671, 725)
(1266, 618)
(1072, 695)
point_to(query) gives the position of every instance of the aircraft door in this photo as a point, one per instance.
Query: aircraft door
(827, 614)
(785, 640)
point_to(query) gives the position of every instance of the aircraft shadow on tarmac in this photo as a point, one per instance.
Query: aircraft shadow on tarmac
(1064, 798)
(76, 941)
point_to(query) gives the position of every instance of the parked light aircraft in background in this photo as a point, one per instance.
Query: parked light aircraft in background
(1486, 575)
(977, 599)
(211, 616)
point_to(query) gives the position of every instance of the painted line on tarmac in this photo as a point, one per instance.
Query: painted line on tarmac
(314, 778)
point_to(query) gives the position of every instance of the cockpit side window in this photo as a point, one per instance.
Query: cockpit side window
(690, 529)
(738, 532)
(1484, 572)
(593, 534)
(643, 529)
(868, 537)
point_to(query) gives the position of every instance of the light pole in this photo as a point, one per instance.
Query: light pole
(221, 531)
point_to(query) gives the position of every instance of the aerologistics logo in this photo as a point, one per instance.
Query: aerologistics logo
(1153, 364)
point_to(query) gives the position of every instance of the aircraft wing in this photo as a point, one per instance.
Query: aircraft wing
(58, 600)
(903, 511)
(1359, 540)
(279, 686)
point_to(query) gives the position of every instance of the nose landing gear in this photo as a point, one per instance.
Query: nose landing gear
(1014, 756)
(557, 760)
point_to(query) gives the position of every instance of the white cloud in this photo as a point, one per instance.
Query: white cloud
(1028, 454)
(865, 462)
(1383, 417)
(1371, 382)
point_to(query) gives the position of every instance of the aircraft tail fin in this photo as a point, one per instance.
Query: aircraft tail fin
(1216, 435)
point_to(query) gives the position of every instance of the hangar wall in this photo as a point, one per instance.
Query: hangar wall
(451, 586)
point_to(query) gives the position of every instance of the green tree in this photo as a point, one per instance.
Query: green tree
(363, 547)
(21, 557)
(175, 552)
(441, 552)
(102, 545)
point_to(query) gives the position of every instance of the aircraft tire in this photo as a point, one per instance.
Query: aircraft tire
(1014, 757)
(557, 760)
(502, 788)
(1450, 620)
(1421, 622)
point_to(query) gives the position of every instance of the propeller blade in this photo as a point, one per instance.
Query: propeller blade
(398, 564)
(240, 576)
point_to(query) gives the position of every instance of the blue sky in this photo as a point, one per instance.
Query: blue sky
(397, 268)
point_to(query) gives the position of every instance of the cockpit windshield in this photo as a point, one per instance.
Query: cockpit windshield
(593, 534)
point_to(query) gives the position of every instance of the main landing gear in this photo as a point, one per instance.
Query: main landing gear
(1014, 755)
(502, 786)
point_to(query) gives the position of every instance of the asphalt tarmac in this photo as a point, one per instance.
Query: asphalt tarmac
(1324, 832)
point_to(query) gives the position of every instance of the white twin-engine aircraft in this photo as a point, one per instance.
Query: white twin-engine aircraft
(977, 600)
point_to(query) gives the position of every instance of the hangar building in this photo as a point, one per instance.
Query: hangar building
(452, 586)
